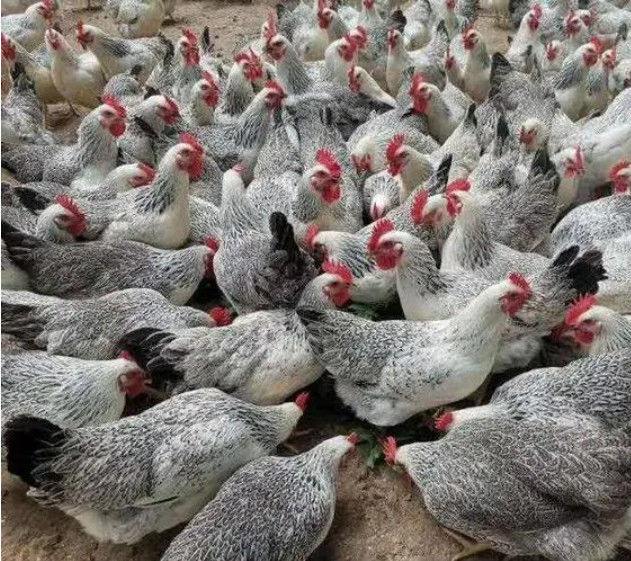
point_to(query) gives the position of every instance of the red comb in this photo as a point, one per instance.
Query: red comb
(380, 228)
(8, 48)
(417, 80)
(147, 170)
(302, 401)
(192, 141)
(359, 36)
(613, 174)
(71, 205)
(115, 104)
(389, 447)
(338, 269)
(353, 82)
(458, 185)
(312, 232)
(212, 243)
(537, 10)
(520, 282)
(444, 421)
(271, 28)
(416, 211)
(80, 27)
(48, 4)
(578, 308)
(353, 438)
(190, 35)
(241, 57)
(326, 158)
(551, 51)
(221, 316)
(393, 146)
(598, 44)
(173, 106)
(274, 85)
(126, 355)
(210, 79)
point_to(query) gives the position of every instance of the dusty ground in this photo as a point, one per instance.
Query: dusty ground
(379, 516)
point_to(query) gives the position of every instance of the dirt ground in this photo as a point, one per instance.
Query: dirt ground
(379, 515)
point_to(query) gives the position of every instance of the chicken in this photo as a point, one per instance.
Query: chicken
(418, 32)
(359, 81)
(28, 28)
(570, 85)
(302, 490)
(407, 166)
(118, 55)
(77, 77)
(87, 162)
(388, 371)
(156, 469)
(69, 392)
(34, 68)
(92, 269)
(159, 214)
(600, 220)
(140, 19)
(91, 329)
(23, 118)
(254, 268)
(522, 488)
(428, 60)
(262, 357)
(596, 387)
(148, 121)
(597, 329)
(61, 222)
(527, 36)
(477, 67)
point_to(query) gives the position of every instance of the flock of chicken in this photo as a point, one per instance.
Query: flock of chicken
(373, 156)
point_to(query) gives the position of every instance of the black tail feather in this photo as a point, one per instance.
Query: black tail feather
(283, 238)
(584, 271)
(145, 346)
(31, 441)
(31, 199)
(18, 321)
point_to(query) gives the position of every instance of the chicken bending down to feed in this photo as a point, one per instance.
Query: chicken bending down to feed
(149, 472)
(521, 487)
(275, 508)
(388, 371)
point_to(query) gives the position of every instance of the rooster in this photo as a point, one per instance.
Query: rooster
(395, 369)
(120, 498)
(78, 77)
(53, 324)
(69, 392)
(28, 28)
(302, 490)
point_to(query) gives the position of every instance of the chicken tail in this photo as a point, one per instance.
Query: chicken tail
(584, 272)
(32, 442)
(31, 199)
(20, 245)
(145, 346)
(18, 320)
(500, 69)
(283, 239)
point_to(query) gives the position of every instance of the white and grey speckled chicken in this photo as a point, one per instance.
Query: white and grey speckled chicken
(597, 387)
(299, 497)
(28, 28)
(92, 269)
(118, 55)
(596, 329)
(522, 487)
(147, 121)
(23, 117)
(388, 371)
(91, 329)
(69, 392)
(86, 162)
(155, 470)
(125, 87)
(258, 268)
(600, 220)
(141, 19)
(428, 60)
(262, 357)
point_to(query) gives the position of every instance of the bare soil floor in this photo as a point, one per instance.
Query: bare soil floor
(379, 515)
